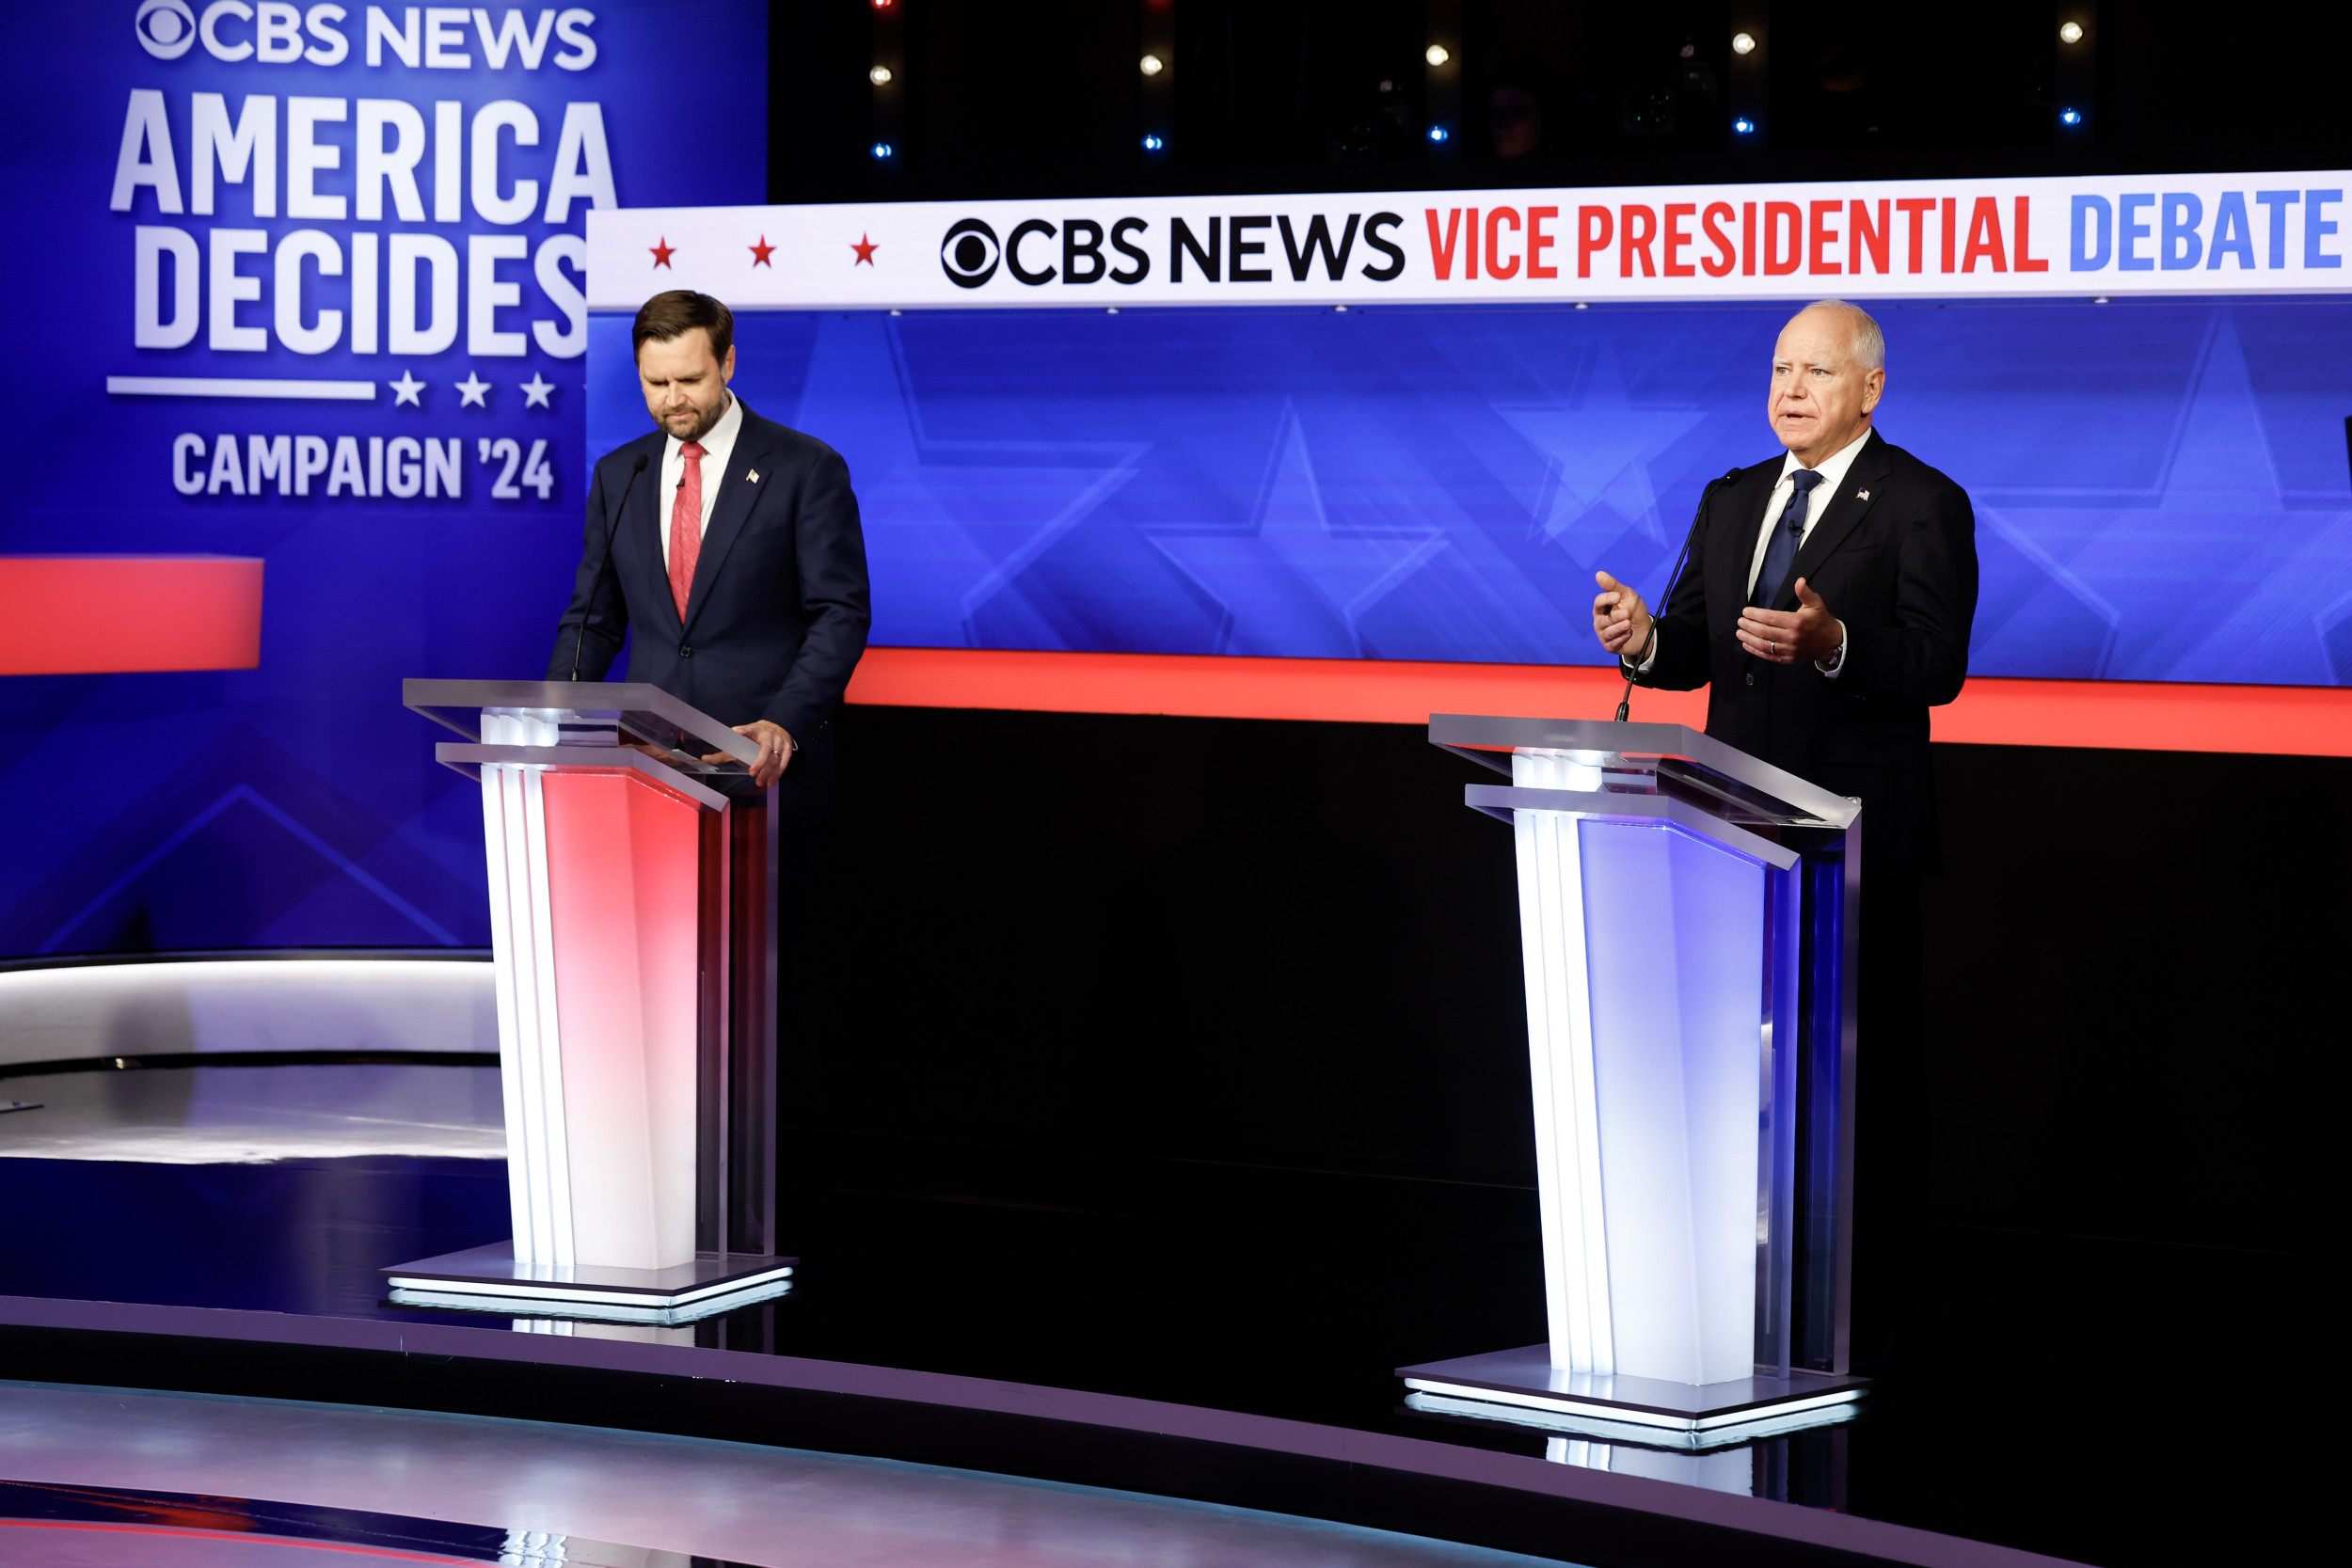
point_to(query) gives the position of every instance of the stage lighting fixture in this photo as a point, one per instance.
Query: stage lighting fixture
(882, 149)
(879, 77)
(1743, 44)
(2069, 32)
(1436, 54)
(2070, 117)
(1744, 126)
(1437, 132)
(1154, 144)
(1154, 65)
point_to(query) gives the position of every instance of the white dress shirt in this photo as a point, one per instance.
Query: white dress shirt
(718, 445)
(1832, 471)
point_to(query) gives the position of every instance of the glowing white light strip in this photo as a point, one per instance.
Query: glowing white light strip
(515, 1289)
(237, 386)
(667, 1317)
(1559, 1008)
(501, 880)
(1609, 1429)
(326, 973)
(547, 1039)
(1625, 1413)
(534, 1227)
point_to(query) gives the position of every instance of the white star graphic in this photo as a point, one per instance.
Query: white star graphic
(535, 391)
(1294, 581)
(472, 392)
(406, 390)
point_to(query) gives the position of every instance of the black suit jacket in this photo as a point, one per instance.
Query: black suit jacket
(1898, 567)
(776, 619)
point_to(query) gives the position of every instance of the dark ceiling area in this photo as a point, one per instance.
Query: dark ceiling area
(992, 98)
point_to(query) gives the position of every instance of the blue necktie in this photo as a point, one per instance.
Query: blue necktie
(1781, 554)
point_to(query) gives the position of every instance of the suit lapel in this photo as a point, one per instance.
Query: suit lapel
(643, 527)
(1840, 514)
(1735, 552)
(738, 490)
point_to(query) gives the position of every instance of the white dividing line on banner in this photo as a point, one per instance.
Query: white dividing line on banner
(1952, 239)
(236, 386)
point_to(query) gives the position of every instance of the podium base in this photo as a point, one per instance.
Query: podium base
(1522, 1385)
(488, 1280)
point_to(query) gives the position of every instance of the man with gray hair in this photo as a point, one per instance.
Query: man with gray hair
(1826, 604)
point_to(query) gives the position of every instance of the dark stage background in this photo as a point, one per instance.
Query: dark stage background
(1289, 946)
(1192, 1053)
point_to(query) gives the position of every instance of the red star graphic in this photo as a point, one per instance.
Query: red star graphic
(759, 254)
(663, 249)
(865, 249)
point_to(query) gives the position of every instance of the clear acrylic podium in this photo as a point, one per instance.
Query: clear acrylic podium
(630, 897)
(1688, 919)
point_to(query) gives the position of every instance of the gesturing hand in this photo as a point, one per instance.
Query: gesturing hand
(1783, 637)
(1620, 619)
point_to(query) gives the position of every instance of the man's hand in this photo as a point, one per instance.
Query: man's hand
(775, 751)
(1810, 632)
(1620, 620)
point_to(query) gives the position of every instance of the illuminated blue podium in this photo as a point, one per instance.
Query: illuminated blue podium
(1687, 920)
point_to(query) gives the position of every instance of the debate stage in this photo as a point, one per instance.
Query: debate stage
(1180, 1329)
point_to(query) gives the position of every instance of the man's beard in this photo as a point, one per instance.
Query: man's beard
(704, 426)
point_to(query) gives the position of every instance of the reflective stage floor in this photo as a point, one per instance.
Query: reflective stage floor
(2040, 1408)
(118, 1478)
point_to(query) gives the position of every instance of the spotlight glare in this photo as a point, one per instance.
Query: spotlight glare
(883, 149)
(2070, 117)
(1437, 53)
(1153, 143)
(1744, 126)
(879, 77)
(1743, 44)
(2069, 32)
(1437, 132)
(1154, 65)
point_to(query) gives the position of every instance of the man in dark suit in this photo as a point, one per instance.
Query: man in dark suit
(728, 548)
(1826, 606)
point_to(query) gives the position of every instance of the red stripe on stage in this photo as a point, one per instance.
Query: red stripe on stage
(86, 615)
(2314, 720)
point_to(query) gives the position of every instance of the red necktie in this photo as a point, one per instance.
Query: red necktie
(686, 526)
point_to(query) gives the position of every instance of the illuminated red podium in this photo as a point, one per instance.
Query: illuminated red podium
(632, 891)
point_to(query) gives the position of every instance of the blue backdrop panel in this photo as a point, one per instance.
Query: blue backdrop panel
(297, 805)
(2160, 487)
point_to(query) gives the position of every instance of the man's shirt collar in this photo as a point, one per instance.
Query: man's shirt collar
(1832, 468)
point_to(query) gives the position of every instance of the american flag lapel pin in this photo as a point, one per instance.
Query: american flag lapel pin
(1858, 495)
(753, 475)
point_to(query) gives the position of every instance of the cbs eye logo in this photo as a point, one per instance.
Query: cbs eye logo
(970, 253)
(166, 28)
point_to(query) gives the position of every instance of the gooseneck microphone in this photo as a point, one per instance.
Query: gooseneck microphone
(610, 529)
(1624, 700)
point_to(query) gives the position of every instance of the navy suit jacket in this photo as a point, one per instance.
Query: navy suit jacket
(1893, 554)
(776, 618)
